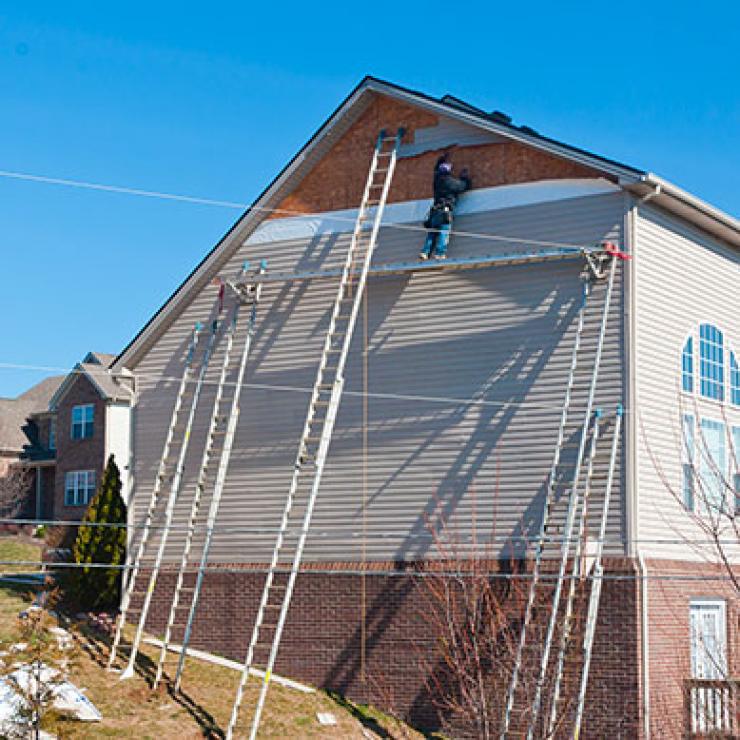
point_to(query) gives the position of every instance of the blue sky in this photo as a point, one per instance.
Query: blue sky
(213, 100)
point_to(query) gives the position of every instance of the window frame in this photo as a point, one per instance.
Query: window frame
(85, 425)
(81, 494)
(715, 339)
(705, 602)
(690, 380)
(706, 463)
(688, 461)
(52, 433)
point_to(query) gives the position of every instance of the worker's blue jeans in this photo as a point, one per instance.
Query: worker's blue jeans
(441, 238)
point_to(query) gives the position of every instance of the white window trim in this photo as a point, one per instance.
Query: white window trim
(702, 458)
(84, 422)
(712, 603)
(77, 488)
(728, 349)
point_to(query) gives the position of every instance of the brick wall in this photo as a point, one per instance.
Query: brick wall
(77, 454)
(338, 180)
(325, 633)
(672, 586)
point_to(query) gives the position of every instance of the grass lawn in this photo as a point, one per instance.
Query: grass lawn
(18, 548)
(132, 710)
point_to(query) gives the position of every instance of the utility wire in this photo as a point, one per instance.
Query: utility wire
(357, 534)
(154, 377)
(264, 209)
(413, 571)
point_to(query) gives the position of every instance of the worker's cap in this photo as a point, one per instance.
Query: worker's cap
(445, 168)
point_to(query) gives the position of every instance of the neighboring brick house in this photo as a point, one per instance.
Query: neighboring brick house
(90, 415)
(63, 430)
(24, 426)
(464, 368)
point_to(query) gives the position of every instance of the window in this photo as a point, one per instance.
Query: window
(708, 643)
(687, 465)
(687, 366)
(734, 380)
(52, 433)
(710, 703)
(79, 487)
(82, 421)
(713, 465)
(711, 362)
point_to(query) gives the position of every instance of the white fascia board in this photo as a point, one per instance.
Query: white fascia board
(414, 211)
(695, 210)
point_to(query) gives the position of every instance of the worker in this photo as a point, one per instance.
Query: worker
(447, 188)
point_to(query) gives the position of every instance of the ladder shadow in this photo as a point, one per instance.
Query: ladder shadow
(97, 646)
(438, 510)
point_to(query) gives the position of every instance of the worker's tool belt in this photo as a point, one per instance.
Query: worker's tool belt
(440, 214)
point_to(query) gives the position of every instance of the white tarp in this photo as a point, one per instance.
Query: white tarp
(67, 697)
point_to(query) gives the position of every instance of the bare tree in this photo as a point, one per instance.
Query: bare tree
(707, 493)
(15, 487)
(473, 606)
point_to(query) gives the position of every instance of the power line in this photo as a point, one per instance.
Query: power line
(125, 190)
(386, 534)
(154, 377)
(413, 571)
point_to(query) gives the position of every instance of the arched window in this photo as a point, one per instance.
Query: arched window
(687, 366)
(734, 381)
(711, 362)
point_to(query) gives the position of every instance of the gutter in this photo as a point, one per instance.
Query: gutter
(677, 200)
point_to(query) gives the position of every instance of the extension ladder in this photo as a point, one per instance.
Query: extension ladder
(171, 467)
(221, 434)
(560, 468)
(596, 581)
(578, 569)
(319, 425)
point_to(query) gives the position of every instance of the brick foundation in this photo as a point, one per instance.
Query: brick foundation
(325, 633)
(672, 586)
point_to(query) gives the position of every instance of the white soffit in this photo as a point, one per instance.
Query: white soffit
(414, 211)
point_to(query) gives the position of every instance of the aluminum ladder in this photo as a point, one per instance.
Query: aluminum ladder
(174, 454)
(596, 581)
(319, 425)
(576, 574)
(221, 433)
(543, 537)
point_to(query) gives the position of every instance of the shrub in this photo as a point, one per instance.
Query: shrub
(94, 587)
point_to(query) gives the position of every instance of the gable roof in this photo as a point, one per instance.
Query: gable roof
(639, 182)
(95, 367)
(15, 411)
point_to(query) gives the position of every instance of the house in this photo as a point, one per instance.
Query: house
(24, 424)
(63, 430)
(453, 397)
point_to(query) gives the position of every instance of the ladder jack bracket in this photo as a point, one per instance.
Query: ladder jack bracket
(599, 260)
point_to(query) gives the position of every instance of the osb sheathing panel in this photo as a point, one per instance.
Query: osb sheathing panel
(337, 181)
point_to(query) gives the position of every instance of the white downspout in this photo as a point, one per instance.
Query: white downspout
(642, 567)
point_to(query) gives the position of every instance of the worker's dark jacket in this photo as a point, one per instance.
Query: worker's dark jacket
(446, 190)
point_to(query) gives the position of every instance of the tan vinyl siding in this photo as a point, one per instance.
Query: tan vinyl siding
(484, 353)
(683, 279)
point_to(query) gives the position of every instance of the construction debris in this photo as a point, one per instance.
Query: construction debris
(68, 698)
(326, 718)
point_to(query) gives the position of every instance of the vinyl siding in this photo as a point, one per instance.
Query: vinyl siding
(466, 372)
(682, 279)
